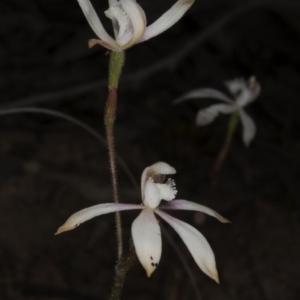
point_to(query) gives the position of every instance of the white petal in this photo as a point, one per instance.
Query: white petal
(249, 128)
(157, 168)
(188, 205)
(138, 19)
(88, 213)
(95, 23)
(204, 93)
(167, 20)
(196, 243)
(207, 115)
(146, 237)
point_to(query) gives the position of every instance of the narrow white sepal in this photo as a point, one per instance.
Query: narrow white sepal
(196, 243)
(88, 213)
(167, 20)
(188, 205)
(207, 115)
(249, 128)
(204, 93)
(95, 23)
(146, 237)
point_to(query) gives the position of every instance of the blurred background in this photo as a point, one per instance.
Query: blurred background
(50, 167)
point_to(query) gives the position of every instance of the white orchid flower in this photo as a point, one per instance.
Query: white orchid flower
(145, 229)
(129, 22)
(243, 93)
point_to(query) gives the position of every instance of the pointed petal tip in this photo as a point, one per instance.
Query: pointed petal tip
(146, 237)
(149, 272)
(224, 220)
(215, 277)
(60, 230)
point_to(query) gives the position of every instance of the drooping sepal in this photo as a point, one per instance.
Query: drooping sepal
(147, 240)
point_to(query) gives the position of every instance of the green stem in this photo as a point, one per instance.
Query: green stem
(116, 63)
(226, 146)
(121, 270)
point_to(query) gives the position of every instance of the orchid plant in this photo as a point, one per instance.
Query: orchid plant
(145, 229)
(130, 27)
(243, 92)
(129, 22)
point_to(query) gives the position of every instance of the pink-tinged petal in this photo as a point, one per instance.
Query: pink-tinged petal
(146, 237)
(188, 205)
(157, 168)
(196, 243)
(88, 213)
(249, 128)
(204, 93)
(167, 20)
(96, 24)
(137, 17)
(207, 115)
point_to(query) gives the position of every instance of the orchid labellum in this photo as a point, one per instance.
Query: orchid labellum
(129, 22)
(244, 92)
(145, 228)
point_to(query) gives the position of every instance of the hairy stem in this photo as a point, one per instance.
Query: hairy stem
(122, 268)
(226, 146)
(115, 68)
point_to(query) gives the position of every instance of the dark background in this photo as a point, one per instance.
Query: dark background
(50, 168)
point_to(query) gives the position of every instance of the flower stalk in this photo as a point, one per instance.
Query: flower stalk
(116, 63)
(123, 267)
(226, 146)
